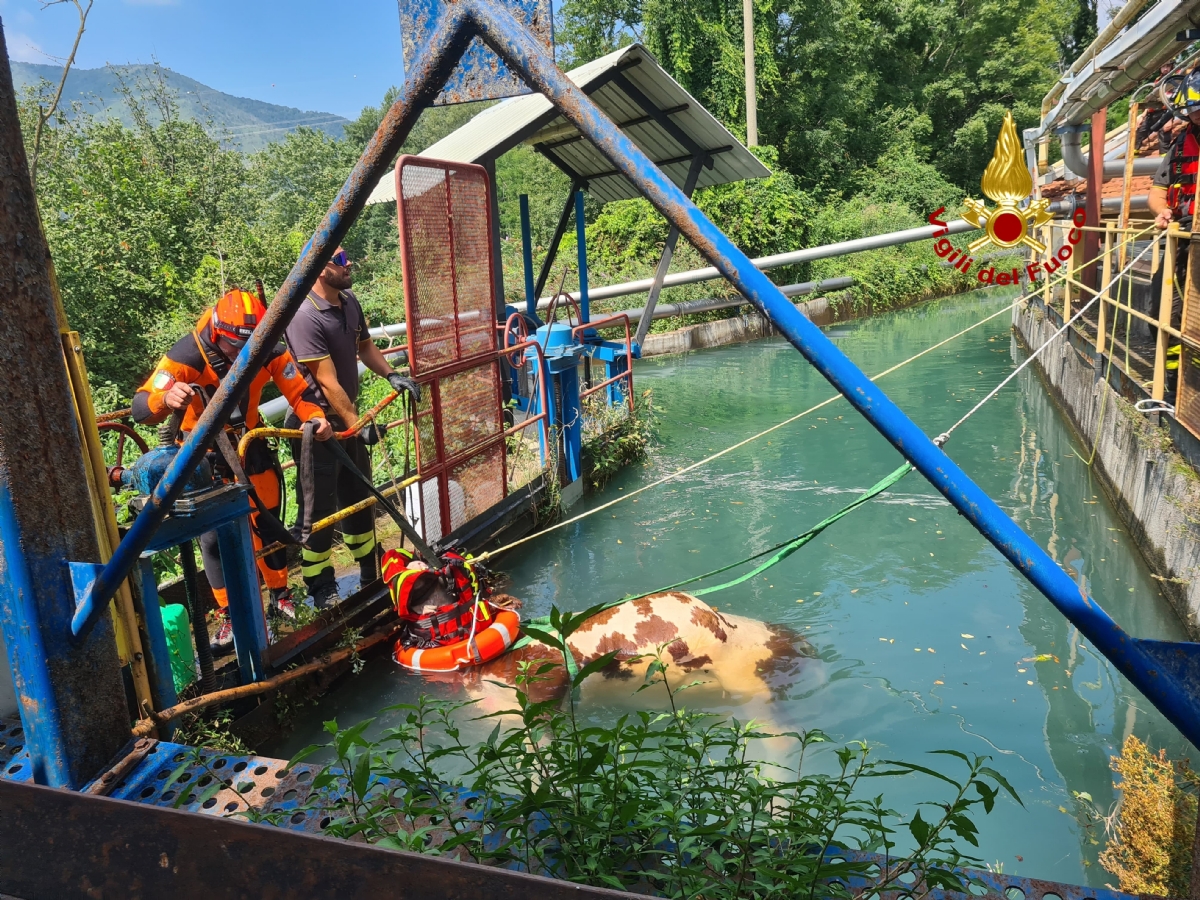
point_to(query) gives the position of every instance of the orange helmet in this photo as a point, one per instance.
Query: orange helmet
(235, 316)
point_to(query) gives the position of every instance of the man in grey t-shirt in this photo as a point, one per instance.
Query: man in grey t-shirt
(328, 336)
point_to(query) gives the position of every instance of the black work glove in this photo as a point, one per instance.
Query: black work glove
(372, 433)
(400, 384)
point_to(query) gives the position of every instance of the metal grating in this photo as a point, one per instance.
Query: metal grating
(477, 485)
(259, 783)
(14, 758)
(277, 793)
(469, 411)
(444, 218)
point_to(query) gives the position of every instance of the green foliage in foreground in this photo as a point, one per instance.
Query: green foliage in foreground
(674, 802)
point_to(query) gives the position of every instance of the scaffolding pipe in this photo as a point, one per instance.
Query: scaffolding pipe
(275, 410)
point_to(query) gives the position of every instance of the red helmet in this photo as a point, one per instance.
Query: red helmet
(236, 315)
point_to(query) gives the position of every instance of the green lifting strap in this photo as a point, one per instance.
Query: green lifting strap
(778, 554)
(780, 551)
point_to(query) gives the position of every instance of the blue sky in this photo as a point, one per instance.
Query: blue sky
(331, 57)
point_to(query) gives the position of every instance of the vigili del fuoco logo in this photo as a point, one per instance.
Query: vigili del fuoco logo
(1007, 182)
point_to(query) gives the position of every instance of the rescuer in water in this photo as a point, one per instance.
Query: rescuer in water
(203, 358)
(1173, 199)
(328, 336)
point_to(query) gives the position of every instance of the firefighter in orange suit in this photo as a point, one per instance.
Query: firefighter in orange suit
(203, 358)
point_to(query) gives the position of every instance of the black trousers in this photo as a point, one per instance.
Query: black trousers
(334, 488)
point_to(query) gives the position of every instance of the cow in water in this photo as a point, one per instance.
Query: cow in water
(740, 658)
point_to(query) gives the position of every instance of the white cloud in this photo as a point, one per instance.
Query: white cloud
(23, 48)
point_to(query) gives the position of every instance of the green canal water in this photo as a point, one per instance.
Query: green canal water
(927, 638)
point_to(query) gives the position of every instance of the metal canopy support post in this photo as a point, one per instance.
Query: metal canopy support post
(428, 73)
(581, 254)
(1165, 672)
(664, 262)
(72, 700)
(552, 251)
(527, 258)
(1095, 184)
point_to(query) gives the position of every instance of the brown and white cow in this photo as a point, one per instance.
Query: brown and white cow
(738, 658)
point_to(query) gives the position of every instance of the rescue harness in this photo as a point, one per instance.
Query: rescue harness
(1181, 194)
(467, 631)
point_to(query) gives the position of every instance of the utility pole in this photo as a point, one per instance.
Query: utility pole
(751, 93)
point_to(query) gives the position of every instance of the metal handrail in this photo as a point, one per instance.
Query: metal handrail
(1115, 239)
(608, 322)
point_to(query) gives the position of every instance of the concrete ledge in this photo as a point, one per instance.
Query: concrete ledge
(1155, 489)
(749, 327)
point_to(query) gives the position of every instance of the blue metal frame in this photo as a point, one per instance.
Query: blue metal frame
(479, 75)
(158, 654)
(225, 510)
(1167, 673)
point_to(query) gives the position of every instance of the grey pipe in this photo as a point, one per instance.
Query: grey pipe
(1077, 161)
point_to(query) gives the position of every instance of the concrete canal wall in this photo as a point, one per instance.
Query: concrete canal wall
(746, 327)
(1148, 467)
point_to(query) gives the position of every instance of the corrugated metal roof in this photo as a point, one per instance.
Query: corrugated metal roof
(533, 119)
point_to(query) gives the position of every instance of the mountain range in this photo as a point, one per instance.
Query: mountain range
(250, 124)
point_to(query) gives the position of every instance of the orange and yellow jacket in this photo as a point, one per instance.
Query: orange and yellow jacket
(195, 359)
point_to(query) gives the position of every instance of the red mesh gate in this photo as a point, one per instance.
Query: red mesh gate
(444, 216)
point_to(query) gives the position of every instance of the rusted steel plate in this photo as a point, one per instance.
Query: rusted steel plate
(58, 844)
(480, 75)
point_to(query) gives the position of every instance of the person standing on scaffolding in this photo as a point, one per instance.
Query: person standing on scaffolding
(1173, 199)
(329, 335)
(202, 358)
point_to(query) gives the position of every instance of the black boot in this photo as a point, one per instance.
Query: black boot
(325, 596)
(368, 567)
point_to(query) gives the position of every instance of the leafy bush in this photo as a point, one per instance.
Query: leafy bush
(673, 802)
(614, 437)
(890, 276)
(1150, 850)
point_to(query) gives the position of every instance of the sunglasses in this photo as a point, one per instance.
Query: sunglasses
(340, 259)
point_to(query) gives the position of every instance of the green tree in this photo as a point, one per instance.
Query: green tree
(130, 215)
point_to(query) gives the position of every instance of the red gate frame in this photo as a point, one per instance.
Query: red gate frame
(428, 334)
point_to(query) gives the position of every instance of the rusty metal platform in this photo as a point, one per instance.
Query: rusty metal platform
(265, 790)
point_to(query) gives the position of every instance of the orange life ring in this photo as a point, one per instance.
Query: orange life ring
(488, 643)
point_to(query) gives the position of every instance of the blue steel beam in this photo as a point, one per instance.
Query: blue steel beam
(1165, 673)
(422, 82)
